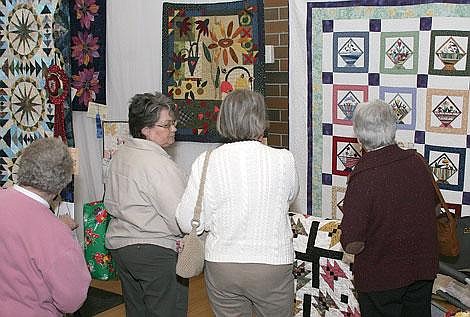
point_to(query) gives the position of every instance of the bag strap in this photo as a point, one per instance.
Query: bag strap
(197, 209)
(436, 187)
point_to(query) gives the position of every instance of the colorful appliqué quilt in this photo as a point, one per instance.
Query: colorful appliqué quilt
(412, 54)
(88, 34)
(323, 276)
(208, 51)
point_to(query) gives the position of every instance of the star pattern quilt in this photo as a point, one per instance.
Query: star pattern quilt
(323, 276)
(27, 48)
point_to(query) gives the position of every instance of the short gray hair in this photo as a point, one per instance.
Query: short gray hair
(375, 124)
(242, 116)
(144, 111)
(46, 165)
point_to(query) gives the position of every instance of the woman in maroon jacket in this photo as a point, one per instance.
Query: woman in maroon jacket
(389, 220)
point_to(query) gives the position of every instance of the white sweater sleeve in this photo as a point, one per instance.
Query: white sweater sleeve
(185, 209)
(295, 179)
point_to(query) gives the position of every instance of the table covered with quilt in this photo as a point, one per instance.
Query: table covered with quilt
(322, 270)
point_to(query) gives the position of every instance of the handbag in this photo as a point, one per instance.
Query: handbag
(462, 261)
(191, 259)
(448, 244)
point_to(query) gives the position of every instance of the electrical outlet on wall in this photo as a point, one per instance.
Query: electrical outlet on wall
(269, 54)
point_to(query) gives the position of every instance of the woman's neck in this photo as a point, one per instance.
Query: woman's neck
(259, 139)
(45, 195)
(380, 147)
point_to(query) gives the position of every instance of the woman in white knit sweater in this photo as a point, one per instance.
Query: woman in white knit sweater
(248, 189)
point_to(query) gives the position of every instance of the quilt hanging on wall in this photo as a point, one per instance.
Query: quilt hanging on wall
(412, 54)
(33, 77)
(115, 134)
(322, 270)
(88, 32)
(208, 51)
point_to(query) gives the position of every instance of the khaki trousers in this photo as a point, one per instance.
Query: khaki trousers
(241, 289)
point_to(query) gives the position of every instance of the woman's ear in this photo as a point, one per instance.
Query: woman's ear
(145, 131)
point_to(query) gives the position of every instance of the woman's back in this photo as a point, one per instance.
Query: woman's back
(390, 197)
(249, 188)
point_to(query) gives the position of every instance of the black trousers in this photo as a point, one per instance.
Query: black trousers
(149, 282)
(413, 300)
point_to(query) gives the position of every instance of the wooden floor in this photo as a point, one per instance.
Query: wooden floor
(198, 302)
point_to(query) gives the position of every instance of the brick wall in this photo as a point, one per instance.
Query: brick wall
(277, 74)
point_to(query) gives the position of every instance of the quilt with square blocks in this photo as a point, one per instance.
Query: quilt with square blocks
(414, 55)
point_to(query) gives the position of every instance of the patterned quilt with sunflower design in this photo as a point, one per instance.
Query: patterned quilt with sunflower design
(322, 270)
(208, 51)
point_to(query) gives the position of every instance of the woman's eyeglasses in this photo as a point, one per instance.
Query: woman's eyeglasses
(167, 124)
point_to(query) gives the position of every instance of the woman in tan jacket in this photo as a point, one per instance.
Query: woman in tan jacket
(143, 188)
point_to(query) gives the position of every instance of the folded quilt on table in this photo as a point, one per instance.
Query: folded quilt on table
(322, 270)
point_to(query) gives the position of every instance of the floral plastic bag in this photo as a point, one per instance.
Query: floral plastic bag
(98, 258)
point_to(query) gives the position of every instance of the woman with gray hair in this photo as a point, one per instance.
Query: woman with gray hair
(43, 270)
(389, 220)
(248, 189)
(143, 188)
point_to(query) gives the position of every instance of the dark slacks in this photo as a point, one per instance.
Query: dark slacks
(409, 301)
(149, 282)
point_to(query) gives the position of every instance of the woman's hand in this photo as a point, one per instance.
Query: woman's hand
(355, 247)
(68, 221)
(179, 245)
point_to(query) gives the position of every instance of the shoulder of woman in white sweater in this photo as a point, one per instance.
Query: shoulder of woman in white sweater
(232, 150)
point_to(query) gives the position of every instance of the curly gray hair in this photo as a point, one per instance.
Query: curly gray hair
(46, 165)
(144, 111)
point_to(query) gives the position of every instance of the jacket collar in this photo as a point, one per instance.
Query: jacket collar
(381, 157)
(146, 145)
